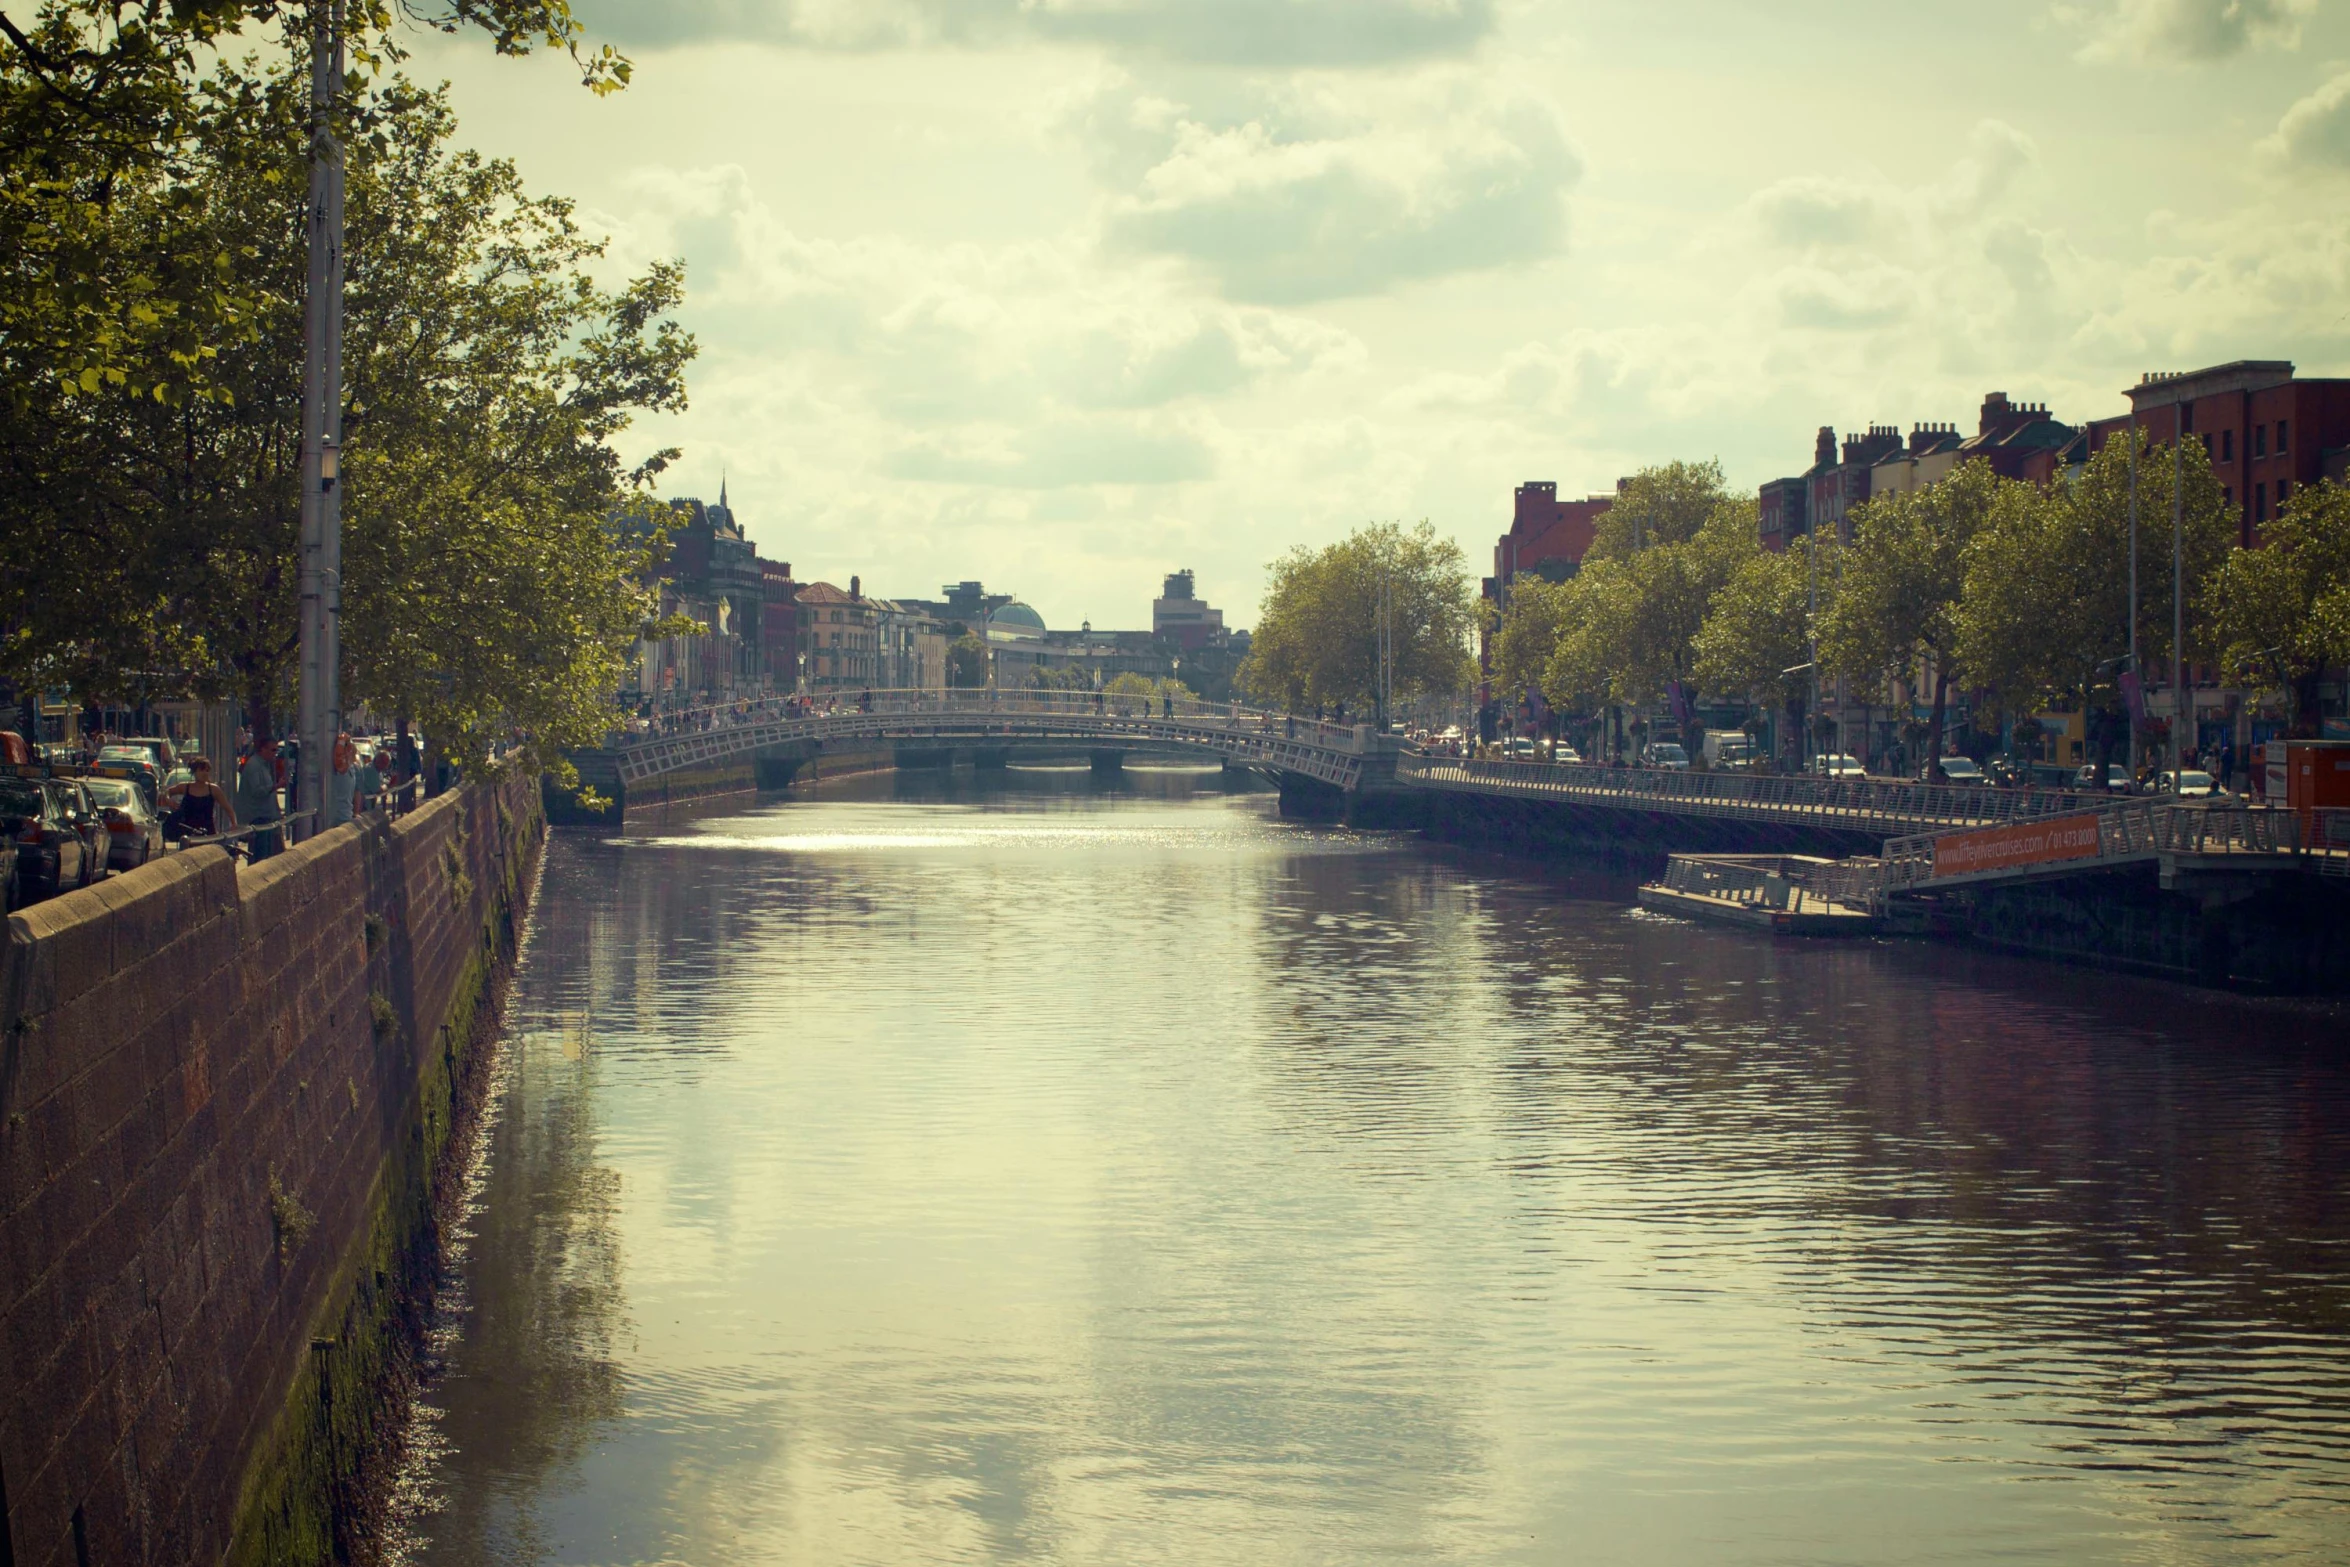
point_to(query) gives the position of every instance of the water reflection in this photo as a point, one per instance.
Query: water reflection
(1039, 1168)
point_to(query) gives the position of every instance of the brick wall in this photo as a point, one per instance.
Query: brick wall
(222, 1092)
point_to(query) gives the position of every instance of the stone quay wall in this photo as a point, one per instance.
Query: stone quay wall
(225, 1093)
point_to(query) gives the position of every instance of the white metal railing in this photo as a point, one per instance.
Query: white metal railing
(2147, 829)
(1332, 752)
(1862, 804)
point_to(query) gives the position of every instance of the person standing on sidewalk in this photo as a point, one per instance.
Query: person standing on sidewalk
(343, 782)
(256, 799)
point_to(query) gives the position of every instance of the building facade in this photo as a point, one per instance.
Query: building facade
(2266, 431)
(840, 641)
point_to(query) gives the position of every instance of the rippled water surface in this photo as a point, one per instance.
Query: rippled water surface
(912, 1172)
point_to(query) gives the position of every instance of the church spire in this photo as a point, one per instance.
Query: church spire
(722, 506)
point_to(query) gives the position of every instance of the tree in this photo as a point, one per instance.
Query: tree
(100, 97)
(1632, 620)
(1667, 504)
(495, 546)
(1317, 640)
(1897, 606)
(2280, 614)
(967, 662)
(1756, 638)
(1528, 632)
(2044, 617)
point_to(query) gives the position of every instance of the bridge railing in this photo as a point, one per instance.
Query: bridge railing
(1836, 801)
(2136, 829)
(684, 723)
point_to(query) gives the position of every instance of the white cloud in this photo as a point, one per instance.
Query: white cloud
(1322, 188)
(2187, 31)
(2315, 133)
(1250, 33)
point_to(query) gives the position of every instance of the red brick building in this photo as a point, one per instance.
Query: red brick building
(2267, 432)
(1547, 537)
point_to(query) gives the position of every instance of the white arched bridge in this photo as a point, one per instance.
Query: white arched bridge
(1339, 756)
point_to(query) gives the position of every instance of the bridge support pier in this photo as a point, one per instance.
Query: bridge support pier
(1311, 800)
(1107, 761)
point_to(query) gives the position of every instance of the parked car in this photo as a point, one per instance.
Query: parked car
(159, 750)
(133, 762)
(1519, 749)
(2117, 778)
(1962, 770)
(134, 830)
(2192, 785)
(52, 855)
(89, 822)
(1568, 755)
(1665, 756)
(1836, 764)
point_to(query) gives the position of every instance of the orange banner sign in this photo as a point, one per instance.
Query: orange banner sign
(2027, 843)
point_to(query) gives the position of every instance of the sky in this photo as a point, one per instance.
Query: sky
(1066, 294)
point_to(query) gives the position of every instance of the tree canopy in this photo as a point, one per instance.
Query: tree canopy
(2280, 614)
(495, 546)
(100, 99)
(2044, 615)
(1317, 639)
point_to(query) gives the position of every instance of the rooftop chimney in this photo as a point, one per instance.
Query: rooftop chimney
(1823, 451)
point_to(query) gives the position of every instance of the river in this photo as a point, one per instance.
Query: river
(918, 1170)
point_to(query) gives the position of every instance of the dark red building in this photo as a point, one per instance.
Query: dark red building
(2267, 433)
(1547, 537)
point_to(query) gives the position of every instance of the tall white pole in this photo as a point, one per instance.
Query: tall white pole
(322, 426)
(2182, 710)
(2136, 673)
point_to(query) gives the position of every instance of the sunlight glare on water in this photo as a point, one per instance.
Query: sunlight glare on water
(916, 1172)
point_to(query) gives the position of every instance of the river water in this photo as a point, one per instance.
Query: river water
(914, 1171)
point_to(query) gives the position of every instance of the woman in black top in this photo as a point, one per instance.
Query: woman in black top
(200, 804)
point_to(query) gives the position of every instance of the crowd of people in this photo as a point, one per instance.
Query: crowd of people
(252, 810)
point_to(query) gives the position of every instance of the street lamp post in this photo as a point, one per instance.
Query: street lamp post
(2182, 710)
(2134, 675)
(321, 577)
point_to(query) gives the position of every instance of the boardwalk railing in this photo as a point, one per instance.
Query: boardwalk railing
(1332, 753)
(2138, 830)
(1861, 805)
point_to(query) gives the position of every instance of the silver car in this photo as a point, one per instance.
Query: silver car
(134, 832)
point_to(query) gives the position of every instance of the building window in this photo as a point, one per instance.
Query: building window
(2280, 437)
(2227, 445)
(2260, 503)
(2260, 440)
(2284, 486)
(2207, 448)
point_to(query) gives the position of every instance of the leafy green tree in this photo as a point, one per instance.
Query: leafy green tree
(100, 97)
(1527, 634)
(1128, 684)
(1667, 504)
(967, 662)
(494, 544)
(1896, 610)
(1632, 620)
(1317, 640)
(2280, 614)
(1758, 628)
(2044, 617)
